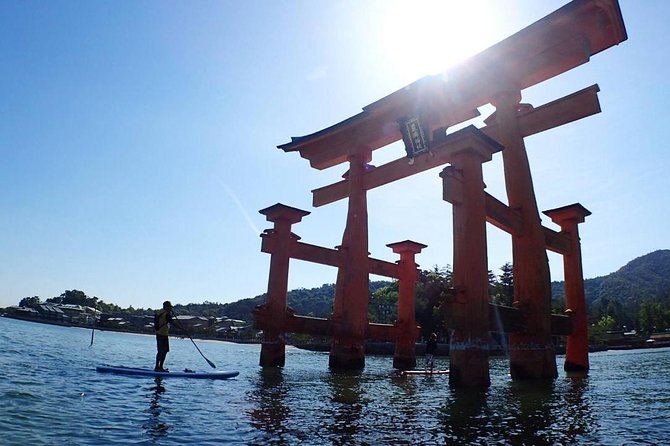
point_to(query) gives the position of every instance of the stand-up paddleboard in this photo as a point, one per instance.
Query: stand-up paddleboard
(425, 372)
(122, 370)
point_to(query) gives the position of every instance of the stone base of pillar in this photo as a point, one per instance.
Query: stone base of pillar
(468, 360)
(404, 357)
(469, 368)
(273, 354)
(347, 355)
(577, 354)
(532, 357)
(573, 369)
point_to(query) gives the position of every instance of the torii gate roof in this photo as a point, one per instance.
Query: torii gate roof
(562, 40)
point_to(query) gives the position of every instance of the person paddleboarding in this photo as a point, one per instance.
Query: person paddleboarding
(162, 320)
(431, 348)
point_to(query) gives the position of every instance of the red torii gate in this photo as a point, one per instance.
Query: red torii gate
(275, 318)
(557, 43)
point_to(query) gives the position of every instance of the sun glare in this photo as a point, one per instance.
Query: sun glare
(428, 36)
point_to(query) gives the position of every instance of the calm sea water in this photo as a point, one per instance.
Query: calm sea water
(50, 394)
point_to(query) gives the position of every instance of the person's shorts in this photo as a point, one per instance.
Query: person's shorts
(162, 344)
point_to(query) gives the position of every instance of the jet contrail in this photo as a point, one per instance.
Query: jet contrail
(246, 216)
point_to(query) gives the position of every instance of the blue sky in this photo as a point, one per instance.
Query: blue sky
(138, 138)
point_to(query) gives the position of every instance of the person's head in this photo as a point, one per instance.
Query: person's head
(167, 306)
(433, 336)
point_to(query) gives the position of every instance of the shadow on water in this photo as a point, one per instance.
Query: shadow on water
(155, 427)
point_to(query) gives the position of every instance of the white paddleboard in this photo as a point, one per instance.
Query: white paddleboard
(122, 370)
(425, 372)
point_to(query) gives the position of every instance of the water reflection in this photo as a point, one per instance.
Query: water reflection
(346, 392)
(531, 418)
(579, 417)
(466, 417)
(155, 427)
(405, 390)
(354, 408)
(523, 413)
(270, 411)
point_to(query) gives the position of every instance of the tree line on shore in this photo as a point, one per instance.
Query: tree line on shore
(636, 297)
(77, 297)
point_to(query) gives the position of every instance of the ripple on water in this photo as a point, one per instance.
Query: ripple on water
(51, 382)
(17, 394)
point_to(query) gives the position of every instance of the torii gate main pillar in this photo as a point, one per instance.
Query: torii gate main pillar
(350, 308)
(469, 341)
(532, 353)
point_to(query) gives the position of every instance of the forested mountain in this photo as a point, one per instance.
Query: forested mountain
(643, 284)
(644, 278)
(317, 302)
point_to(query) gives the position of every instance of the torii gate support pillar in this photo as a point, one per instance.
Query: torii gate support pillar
(404, 357)
(273, 313)
(577, 344)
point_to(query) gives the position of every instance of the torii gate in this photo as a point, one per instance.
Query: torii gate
(420, 114)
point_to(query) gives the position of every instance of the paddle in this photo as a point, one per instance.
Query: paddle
(93, 328)
(189, 336)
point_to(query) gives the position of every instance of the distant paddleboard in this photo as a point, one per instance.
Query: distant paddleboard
(425, 372)
(122, 370)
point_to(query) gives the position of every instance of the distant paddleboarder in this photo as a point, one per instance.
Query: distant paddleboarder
(431, 348)
(161, 321)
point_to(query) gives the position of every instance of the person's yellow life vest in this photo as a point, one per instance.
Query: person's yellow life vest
(161, 323)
